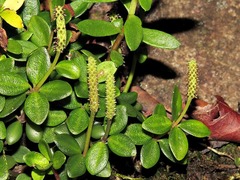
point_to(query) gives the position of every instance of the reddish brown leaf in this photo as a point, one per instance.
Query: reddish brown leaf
(223, 121)
(3, 39)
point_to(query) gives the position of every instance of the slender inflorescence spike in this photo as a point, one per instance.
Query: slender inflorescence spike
(110, 96)
(60, 41)
(192, 78)
(93, 84)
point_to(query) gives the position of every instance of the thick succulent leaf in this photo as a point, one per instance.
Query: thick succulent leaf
(3, 168)
(23, 176)
(14, 132)
(27, 48)
(11, 104)
(56, 90)
(97, 28)
(12, 18)
(67, 144)
(36, 107)
(159, 39)
(31, 8)
(117, 58)
(37, 174)
(77, 121)
(150, 154)
(37, 65)
(45, 150)
(106, 172)
(97, 131)
(104, 69)
(49, 134)
(165, 148)
(55, 117)
(195, 128)
(133, 32)
(3, 130)
(18, 155)
(137, 134)
(59, 159)
(176, 103)
(12, 84)
(41, 31)
(79, 7)
(178, 143)
(97, 158)
(68, 69)
(76, 166)
(6, 64)
(2, 102)
(157, 124)
(14, 47)
(34, 132)
(81, 89)
(122, 145)
(120, 120)
(37, 160)
(145, 4)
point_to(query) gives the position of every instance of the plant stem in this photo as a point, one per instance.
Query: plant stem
(109, 122)
(131, 74)
(89, 132)
(133, 6)
(39, 85)
(189, 100)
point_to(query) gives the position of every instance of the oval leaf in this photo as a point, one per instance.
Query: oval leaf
(34, 132)
(3, 130)
(67, 144)
(68, 69)
(31, 8)
(37, 65)
(77, 121)
(195, 128)
(76, 166)
(45, 149)
(159, 39)
(12, 18)
(122, 145)
(56, 90)
(178, 143)
(104, 69)
(133, 32)
(3, 168)
(12, 84)
(36, 107)
(145, 4)
(97, 158)
(165, 148)
(137, 134)
(18, 155)
(14, 47)
(59, 159)
(55, 118)
(97, 28)
(150, 154)
(157, 124)
(176, 103)
(14, 132)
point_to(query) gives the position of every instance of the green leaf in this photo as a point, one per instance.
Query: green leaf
(68, 69)
(55, 117)
(45, 149)
(80, 60)
(133, 32)
(195, 128)
(14, 47)
(3, 168)
(97, 28)
(159, 39)
(37, 160)
(12, 18)
(59, 159)
(6, 64)
(122, 145)
(2, 102)
(130, 97)
(34, 132)
(150, 154)
(176, 103)
(49, 134)
(1, 146)
(106, 172)
(11, 104)
(120, 120)
(41, 31)
(23, 176)
(38, 174)
(3, 130)
(81, 89)
(165, 148)
(12, 84)
(137, 134)
(97, 131)
(14, 132)
(178, 143)
(97, 158)
(27, 48)
(9, 160)
(77, 121)
(36, 108)
(104, 69)
(99, 1)
(37, 65)
(72, 102)
(18, 155)
(160, 110)
(67, 144)
(157, 124)
(31, 8)
(145, 4)
(76, 166)
(117, 58)
(79, 7)
(56, 90)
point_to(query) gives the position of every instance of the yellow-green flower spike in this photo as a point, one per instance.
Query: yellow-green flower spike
(60, 42)
(110, 96)
(93, 84)
(192, 78)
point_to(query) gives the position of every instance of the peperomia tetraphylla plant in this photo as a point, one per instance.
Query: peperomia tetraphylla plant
(63, 108)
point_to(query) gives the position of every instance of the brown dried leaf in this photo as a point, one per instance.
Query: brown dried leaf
(3, 39)
(221, 119)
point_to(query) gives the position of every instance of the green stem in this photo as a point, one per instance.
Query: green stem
(52, 67)
(133, 6)
(131, 74)
(109, 122)
(89, 132)
(183, 113)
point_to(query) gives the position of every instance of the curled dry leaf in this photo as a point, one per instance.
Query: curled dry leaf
(221, 119)
(3, 39)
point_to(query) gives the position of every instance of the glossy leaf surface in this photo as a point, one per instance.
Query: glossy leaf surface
(76, 166)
